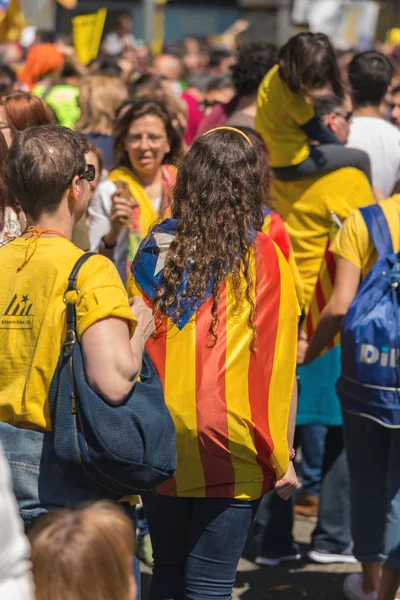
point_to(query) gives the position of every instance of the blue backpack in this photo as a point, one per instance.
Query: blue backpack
(370, 380)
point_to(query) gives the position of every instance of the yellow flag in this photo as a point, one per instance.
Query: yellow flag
(393, 36)
(159, 27)
(12, 21)
(87, 31)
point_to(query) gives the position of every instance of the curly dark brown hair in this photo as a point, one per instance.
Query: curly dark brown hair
(219, 198)
(141, 107)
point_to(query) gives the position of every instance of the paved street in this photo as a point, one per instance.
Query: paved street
(305, 580)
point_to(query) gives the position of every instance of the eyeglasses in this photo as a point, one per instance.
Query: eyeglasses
(347, 116)
(153, 139)
(89, 174)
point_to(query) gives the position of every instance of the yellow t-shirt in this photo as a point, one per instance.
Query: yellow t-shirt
(32, 320)
(353, 242)
(280, 115)
(306, 207)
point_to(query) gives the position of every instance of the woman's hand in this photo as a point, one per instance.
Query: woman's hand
(302, 346)
(121, 215)
(286, 486)
(144, 316)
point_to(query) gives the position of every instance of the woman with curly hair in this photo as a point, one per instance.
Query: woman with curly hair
(225, 349)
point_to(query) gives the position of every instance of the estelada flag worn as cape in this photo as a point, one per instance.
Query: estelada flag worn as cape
(230, 405)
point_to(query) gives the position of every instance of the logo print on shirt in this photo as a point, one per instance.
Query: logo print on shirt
(18, 314)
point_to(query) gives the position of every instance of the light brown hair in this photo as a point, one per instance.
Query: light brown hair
(83, 553)
(41, 164)
(99, 99)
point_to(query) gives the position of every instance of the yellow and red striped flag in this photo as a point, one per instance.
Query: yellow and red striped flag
(230, 405)
(274, 226)
(323, 289)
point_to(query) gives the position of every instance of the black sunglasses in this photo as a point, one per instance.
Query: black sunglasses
(347, 116)
(89, 174)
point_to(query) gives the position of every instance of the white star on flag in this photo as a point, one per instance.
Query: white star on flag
(163, 241)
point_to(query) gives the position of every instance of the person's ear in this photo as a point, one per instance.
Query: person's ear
(75, 189)
(331, 122)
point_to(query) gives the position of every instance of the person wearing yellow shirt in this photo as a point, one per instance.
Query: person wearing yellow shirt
(306, 69)
(47, 172)
(372, 448)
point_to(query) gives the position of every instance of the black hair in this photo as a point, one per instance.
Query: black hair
(254, 61)
(108, 66)
(220, 82)
(327, 105)
(46, 36)
(396, 90)
(217, 56)
(7, 80)
(370, 74)
(308, 59)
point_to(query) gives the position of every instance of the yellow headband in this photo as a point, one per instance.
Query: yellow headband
(230, 129)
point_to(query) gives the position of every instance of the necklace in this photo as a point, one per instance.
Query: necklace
(35, 234)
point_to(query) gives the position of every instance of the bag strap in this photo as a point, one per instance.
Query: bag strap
(70, 337)
(378, 229)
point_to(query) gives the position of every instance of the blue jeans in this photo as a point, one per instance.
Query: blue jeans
(274, 524)
(312, 442)
(197, 545)
(332, 533)
(373, 453)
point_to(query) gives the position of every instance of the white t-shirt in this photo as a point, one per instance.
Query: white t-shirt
(15, 576)
(381, 140)
(100, 224)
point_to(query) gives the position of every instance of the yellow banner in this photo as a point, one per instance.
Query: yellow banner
(12, 22)
(87, 31)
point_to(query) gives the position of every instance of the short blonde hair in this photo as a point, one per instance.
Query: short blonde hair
(99, 99)
(83, 553)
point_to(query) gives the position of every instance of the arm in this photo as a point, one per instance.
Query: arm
(317, 131)
(113, 361)
(286, 486)
(345, 288)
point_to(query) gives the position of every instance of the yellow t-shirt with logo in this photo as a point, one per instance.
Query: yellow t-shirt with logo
(280, 116)
(353, 242)
(306, 207)
(32, 319)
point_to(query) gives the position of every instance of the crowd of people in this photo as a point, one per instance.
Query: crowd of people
(197, 229)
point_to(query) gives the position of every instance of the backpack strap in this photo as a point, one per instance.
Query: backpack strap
(378, 229)
(70, 337)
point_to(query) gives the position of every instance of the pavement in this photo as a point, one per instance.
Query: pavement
(291, 581)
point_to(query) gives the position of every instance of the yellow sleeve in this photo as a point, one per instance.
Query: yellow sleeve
(352, 240)
(102, 295)
(132, 287)
(298, 109)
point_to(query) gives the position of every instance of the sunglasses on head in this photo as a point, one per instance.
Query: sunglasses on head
(89, 174)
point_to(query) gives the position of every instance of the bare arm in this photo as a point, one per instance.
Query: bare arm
(345, 288)
(113, 361)
(286, 486)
